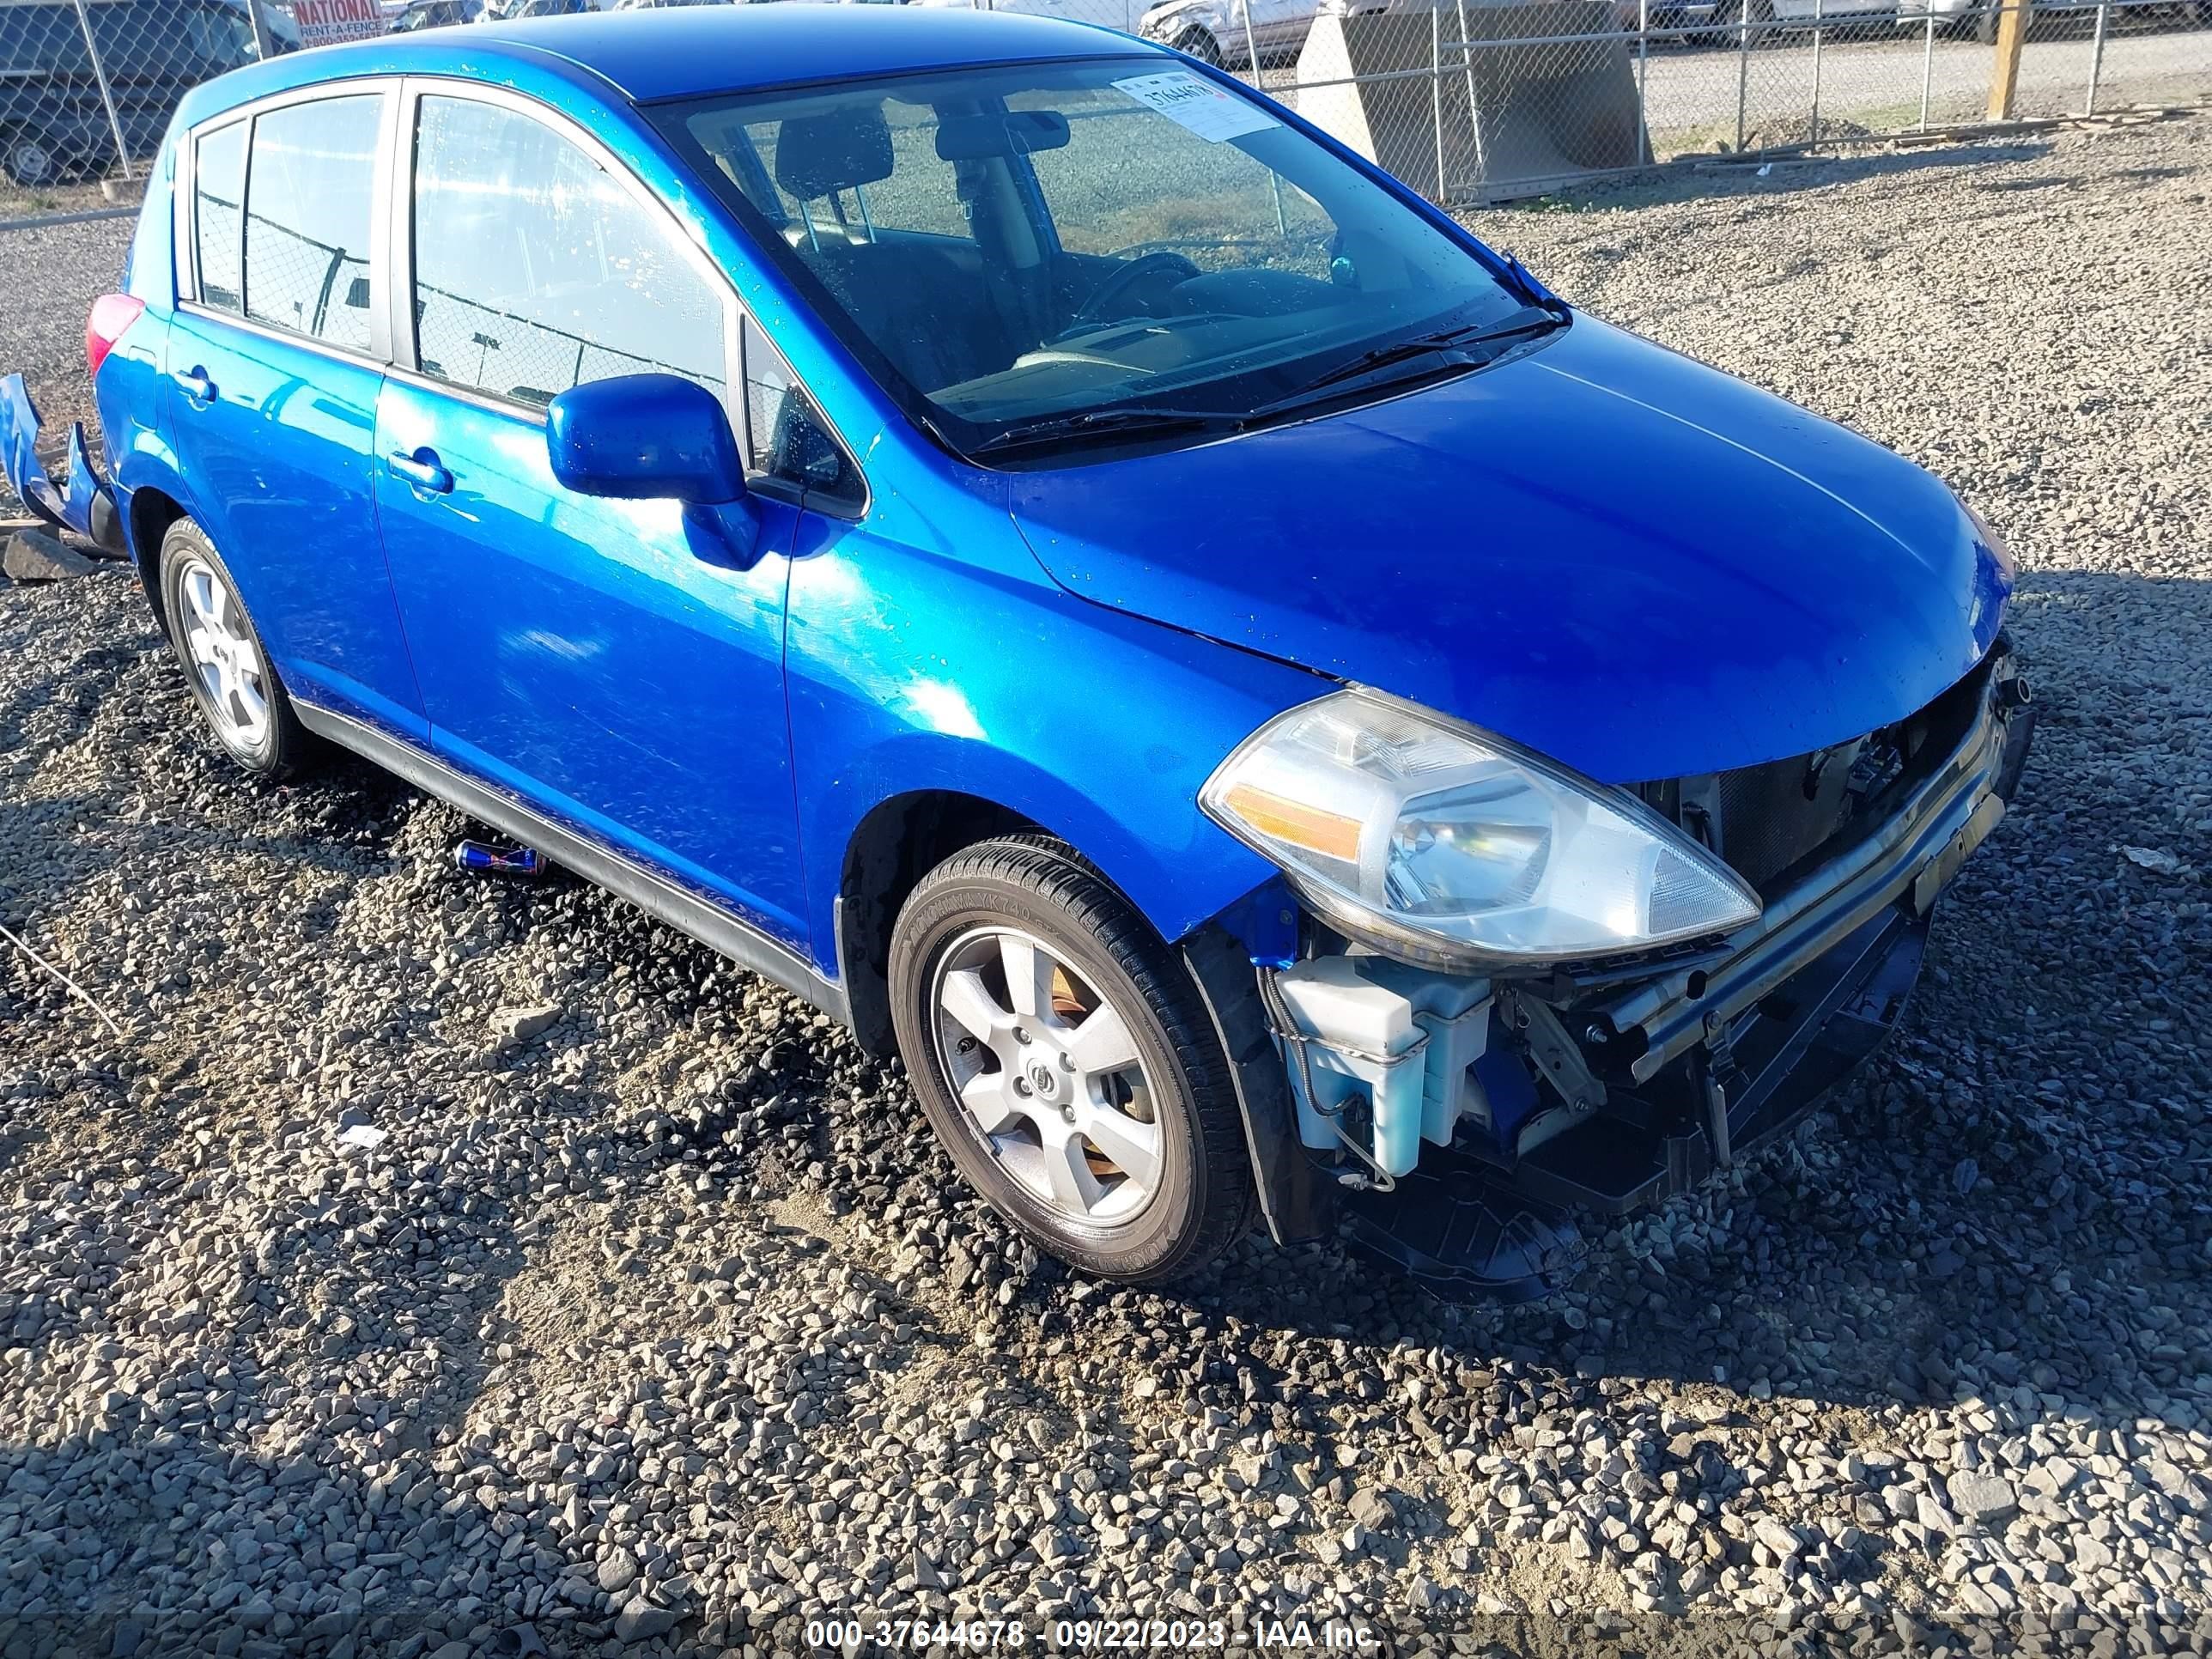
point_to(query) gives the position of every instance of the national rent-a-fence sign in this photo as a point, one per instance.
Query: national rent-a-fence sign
(322, 21)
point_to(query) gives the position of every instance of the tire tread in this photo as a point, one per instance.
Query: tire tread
(291, 746)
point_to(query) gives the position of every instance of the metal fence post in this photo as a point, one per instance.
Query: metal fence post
(264, 44)
(1437, 92)
(1927, 65)
(1474, 112)
(1643, 78)
(1815, 138)
(107, 92)
(2096, 59)
(1251, 50)
(1742, 66)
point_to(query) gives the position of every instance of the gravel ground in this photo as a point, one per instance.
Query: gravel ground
(52, 274)
(663, 1326)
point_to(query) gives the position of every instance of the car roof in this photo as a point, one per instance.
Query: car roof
(684, 51)
(688, 51)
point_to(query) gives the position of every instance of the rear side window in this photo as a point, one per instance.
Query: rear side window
(218, 219)
(308, 202)
(536, 271)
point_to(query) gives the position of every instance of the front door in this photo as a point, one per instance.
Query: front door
(274, 377)
(613, 662)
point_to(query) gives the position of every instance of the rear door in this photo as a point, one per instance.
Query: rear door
(600, 659)
(276, 359)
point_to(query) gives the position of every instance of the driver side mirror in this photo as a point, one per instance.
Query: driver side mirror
(644, 437)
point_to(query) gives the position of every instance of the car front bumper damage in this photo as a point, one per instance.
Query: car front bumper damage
(1595, 1089)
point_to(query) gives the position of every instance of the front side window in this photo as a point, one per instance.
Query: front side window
(219, 216)
(537, 270)
(308, 192)
(1015, 250)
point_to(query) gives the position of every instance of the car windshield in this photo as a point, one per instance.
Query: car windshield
(1097, 251)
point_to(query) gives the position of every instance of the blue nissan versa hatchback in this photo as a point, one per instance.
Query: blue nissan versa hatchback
(1030, 546)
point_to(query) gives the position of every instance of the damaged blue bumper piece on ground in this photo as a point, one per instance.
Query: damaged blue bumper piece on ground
(83, 502)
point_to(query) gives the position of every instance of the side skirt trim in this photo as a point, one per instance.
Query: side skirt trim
(652, 892)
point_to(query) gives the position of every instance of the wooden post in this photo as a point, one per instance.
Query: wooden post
(2004, 73)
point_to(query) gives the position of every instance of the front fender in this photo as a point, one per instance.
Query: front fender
(1152, 843)
(912, 671)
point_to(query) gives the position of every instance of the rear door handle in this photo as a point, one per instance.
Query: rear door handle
(196, 384)
(422, 470)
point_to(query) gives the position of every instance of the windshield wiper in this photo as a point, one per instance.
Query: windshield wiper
(1128, 421)
(1452, 345)
(1458, 347)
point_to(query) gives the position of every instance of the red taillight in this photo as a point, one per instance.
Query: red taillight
(111, 314)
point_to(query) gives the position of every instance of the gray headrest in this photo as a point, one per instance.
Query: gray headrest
(820, 154)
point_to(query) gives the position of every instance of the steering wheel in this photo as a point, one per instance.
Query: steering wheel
(1145, 265)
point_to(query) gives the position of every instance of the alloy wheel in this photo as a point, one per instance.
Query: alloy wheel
(223, 655)
(1047, 1071)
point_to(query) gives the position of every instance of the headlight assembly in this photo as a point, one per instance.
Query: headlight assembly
(1439, 843)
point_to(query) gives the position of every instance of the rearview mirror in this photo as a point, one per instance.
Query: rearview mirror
(644, 437)
(1017, 132)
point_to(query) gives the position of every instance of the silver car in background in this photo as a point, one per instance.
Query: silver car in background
(1229, 33)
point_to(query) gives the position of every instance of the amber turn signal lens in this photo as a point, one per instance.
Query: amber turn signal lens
(1330, 833)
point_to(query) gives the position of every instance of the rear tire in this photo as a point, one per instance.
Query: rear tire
(1063, 1057)
(239, 695)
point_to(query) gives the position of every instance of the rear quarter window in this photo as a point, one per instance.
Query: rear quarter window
(219, 216)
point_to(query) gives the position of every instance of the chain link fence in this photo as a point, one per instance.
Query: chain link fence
(87, 87)
(1464, 100)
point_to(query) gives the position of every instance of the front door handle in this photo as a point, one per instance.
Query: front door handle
(196, 384)
(422, 470)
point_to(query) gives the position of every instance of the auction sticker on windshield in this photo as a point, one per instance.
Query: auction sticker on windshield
(1203, 107)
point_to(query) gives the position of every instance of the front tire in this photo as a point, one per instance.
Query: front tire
(239, 693)
(1065, 1061)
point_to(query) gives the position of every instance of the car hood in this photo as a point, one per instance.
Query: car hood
(1625, 559)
